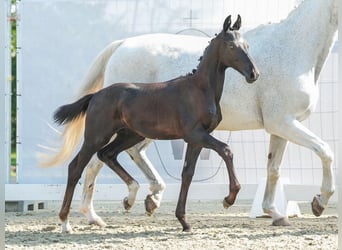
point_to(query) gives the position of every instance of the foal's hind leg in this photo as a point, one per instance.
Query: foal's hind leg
(75, 170)
(124, 140)
(157, 185)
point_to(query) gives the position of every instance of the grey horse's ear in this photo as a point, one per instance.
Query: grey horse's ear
(237, 24)
(227, 23)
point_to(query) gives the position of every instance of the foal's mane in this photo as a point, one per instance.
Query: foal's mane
(200, 59)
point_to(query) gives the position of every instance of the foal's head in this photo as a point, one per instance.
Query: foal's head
(233, 51)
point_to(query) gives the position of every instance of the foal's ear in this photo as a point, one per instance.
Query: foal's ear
(227, 23)
(237, 24)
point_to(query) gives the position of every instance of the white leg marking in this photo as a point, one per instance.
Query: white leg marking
(66, 228)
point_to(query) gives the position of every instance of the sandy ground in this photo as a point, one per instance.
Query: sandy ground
(213, 228)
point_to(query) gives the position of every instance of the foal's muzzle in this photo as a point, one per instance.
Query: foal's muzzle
(253, 76)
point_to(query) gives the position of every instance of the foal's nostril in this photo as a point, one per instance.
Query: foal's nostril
(254, 75)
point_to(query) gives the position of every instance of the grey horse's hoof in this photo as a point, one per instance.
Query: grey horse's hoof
(127, 206)
(150, 205)
(281, 222)
(317, 208)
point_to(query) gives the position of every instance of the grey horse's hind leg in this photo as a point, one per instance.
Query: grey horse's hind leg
(157, 184)
(277, 149)
(92, 170)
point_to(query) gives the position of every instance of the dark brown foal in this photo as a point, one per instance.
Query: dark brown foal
(186, 107)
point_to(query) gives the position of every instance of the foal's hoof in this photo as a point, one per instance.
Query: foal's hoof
(317, 208)
(281, 222)
(127, 206)
(186, 226)
(150, 205)
(66, 228)
(187, 229)
(226, 204)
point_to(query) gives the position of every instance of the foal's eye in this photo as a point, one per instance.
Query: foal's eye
(231, 45)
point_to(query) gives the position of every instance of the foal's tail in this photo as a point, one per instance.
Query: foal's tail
(73, 131)
(70, 112)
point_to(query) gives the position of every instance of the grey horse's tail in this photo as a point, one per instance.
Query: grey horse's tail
(73, 131)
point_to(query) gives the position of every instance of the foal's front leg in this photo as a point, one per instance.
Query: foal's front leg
(203, 138)
(191, 157)
(196, 141)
